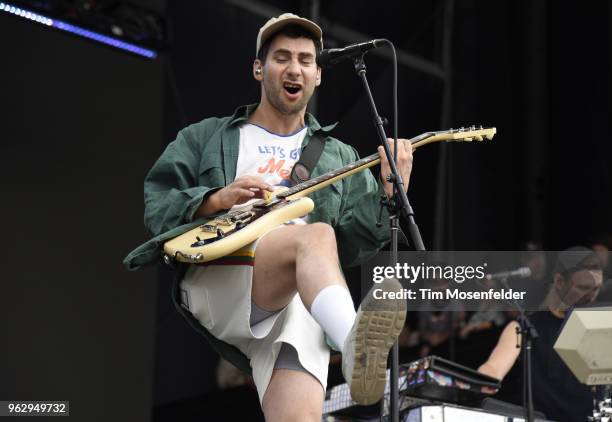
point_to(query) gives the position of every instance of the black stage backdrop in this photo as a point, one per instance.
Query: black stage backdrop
(80, 126)
(82, 123)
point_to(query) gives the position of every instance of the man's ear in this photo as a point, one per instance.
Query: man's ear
(258, 70)
(318, 78)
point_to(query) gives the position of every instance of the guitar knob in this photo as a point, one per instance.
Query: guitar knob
(167, 259)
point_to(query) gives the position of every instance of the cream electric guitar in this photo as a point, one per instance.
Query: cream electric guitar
(229, 232)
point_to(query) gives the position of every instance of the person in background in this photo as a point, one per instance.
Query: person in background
(577, 280)
(601, 245)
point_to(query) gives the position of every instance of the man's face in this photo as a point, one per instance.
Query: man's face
(582, 287)
(290, 74)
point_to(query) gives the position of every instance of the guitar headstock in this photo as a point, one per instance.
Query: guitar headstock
(465, 134)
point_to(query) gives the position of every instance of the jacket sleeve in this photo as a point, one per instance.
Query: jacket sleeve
(359, 239)
(171, 190)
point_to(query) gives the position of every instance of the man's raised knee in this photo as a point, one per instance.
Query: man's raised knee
(317, 234)
(322, 231)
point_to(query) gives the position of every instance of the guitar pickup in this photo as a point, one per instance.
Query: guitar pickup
(224, 221)
(209, 228)
(243, 216)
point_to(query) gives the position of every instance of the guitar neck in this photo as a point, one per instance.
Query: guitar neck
(326, 179)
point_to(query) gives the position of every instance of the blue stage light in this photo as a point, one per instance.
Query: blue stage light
(77, 30)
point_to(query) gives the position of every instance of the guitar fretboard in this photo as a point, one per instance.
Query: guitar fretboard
(462, 134)
(327, 176)
(370, 159)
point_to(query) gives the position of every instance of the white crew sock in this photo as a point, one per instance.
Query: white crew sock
(333, 309)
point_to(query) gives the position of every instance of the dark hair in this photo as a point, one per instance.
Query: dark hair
(591, 263)
(291, 31)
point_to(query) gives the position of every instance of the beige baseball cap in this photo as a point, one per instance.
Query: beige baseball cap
(275, 24)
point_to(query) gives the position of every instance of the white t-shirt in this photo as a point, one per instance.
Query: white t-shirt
(268, 155)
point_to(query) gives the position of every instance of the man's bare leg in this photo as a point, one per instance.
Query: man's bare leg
(300, 258)
(290, 259)
(305, 259)
(284, 397)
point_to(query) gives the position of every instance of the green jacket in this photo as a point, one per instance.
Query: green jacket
(203, 159)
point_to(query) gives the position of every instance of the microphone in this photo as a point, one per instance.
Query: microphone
(522, 272)
(331, 56)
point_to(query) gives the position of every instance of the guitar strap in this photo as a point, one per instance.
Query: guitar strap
(308, 159)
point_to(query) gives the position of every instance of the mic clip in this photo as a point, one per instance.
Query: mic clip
(384, 203)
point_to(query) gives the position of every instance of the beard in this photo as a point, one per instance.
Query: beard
(274, 94)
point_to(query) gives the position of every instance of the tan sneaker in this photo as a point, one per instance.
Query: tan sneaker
(377, 326)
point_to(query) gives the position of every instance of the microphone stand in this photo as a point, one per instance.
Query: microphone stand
(399, 204)
(528, 333)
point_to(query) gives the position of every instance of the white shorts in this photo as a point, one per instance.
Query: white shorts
(218, 294)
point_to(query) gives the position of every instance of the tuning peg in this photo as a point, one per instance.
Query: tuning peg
(478, 138)
(468, 139)
(489, 137)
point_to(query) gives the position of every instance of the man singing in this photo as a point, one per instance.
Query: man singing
(279, 298)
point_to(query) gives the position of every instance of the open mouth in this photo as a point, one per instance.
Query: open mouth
(292, 88)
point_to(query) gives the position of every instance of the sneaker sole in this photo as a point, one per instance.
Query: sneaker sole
(379, 326)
